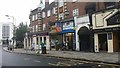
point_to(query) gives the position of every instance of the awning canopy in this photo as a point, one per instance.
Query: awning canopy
(67, 31)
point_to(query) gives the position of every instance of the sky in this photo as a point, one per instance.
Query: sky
(19, 9)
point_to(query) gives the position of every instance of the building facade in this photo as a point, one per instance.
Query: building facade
(40, 19)
(6, 33)
(69, 23)
(106, 29)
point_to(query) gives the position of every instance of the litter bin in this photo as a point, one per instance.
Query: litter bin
(44, 50)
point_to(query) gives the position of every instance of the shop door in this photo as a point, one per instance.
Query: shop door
(84, 39)
(70, 39)
(84, 42)
(103, 45)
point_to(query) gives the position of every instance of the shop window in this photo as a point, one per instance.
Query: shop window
(45, 40)
(37, 41)
(40, 39)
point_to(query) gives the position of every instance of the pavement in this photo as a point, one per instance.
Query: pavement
(103, 57)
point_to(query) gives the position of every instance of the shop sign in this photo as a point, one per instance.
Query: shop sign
(82, 20)
(55, 29)
(68, 25)
(107, 29)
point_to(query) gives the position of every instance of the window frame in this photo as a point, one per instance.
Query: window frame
(48, 13)
(76, 12)
(60, 3)
(43, 15)
(54, 10)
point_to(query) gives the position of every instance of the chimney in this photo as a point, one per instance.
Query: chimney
(46, 3)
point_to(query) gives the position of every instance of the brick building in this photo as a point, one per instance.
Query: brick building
(68, 23)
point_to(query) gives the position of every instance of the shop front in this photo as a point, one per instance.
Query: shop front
(107, 40)
(35, 39)
(106, 33)
(55, 36)
(68, 35)
(83, 34)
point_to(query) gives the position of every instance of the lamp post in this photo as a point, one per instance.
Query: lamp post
(13, 27)
(12, 17)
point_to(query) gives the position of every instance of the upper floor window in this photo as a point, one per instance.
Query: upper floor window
(90, 8)
(74, 0)
(36, 28)
(75, 12)
(36, 16)
(109, 4)
(61, 16)
(54, 11)
(48, 13)
(33, 18)
(44, 26)
(43, 14)
(60, 3)
(33, 29)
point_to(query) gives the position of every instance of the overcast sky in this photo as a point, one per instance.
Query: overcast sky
(20, 9)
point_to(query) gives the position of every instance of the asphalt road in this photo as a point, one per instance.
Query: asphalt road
(14, 59)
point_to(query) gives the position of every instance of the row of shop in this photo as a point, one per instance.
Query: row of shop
(76, 34)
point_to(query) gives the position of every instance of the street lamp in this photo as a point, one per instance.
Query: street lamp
(10, 16)
(13, 27)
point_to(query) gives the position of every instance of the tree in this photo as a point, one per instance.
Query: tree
(20, 32)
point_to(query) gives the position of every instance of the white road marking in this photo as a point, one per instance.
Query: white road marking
(37, 61)
(26, 58)
(52, 64)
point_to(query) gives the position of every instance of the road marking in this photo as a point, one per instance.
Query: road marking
(37, 61)
(52, 64)
(26, 58)
(58, 64)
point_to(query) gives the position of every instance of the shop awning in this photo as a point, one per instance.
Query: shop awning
(67, 31)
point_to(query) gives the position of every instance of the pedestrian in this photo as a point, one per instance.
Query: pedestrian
(67, 44)
(56, 44)
(33, 44)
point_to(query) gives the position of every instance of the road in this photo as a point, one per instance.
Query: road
(14, 59)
